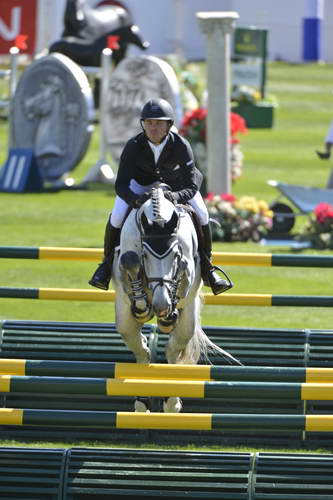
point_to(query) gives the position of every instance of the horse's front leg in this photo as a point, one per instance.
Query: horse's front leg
(182, 348)
(130, 331)
(173, 351)
(175, 346)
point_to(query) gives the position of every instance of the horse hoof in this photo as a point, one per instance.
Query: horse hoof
(142, 405)
(172, 405)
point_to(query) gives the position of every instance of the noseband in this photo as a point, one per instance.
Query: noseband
(171, 284)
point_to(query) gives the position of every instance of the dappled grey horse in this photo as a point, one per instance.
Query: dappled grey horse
(156, 272)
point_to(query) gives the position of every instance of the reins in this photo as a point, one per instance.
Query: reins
(171, 284)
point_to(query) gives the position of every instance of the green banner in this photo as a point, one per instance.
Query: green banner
(250, 42)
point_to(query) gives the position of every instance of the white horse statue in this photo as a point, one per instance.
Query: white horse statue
(156, 272)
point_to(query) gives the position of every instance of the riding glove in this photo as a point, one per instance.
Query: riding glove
(171, 196)
(139, 200)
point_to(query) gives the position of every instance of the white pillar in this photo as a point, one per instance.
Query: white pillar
(217, 26)
(179, 26)
(50, 15)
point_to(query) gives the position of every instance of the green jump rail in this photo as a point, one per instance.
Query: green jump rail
(101, 342)
(219, 258)
(84, 343)
(99, 473)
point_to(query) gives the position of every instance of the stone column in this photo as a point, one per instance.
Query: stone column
(217, 26)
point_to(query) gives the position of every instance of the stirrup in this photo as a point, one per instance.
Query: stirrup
(224, 285)
(101, 277)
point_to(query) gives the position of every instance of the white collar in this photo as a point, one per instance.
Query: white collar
(157, 148)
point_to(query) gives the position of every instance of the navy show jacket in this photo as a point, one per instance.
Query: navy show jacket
(174, 167)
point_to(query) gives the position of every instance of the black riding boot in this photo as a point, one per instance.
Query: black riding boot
(102, 276)
(209, 273)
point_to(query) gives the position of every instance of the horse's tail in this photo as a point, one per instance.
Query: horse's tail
(200, 346)
(207, 347)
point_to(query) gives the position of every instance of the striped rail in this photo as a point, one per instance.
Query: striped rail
(178, 421)
(219, 258)
(209, 299)
(166, 388)
(156, 371)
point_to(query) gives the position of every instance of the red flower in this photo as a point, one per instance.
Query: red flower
(194, 125)
(228, 197)
(323, 211)
(209, 196)
(237, 124)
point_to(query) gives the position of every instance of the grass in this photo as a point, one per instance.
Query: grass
(10, 443)
(77, 218)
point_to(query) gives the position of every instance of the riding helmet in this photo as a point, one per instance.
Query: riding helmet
(157, 109)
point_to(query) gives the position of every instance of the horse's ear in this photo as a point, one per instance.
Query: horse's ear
(172, 223)
(146, 223)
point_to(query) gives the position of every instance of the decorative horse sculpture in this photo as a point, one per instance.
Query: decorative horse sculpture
(156, 272)
(87, 28)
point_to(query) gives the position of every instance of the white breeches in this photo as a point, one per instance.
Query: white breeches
(120, 206)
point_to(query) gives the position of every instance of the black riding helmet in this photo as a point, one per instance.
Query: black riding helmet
(157, 109)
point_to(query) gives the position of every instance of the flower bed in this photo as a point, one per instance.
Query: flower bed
(243, 219)
(319, 228)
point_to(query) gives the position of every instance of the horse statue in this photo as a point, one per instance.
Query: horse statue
(86, 29)
(156, 272)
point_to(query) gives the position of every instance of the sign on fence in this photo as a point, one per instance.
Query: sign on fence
(16, 17)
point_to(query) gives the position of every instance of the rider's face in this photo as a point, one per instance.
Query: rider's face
(156, 130)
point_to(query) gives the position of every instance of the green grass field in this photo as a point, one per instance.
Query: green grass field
(77, 218)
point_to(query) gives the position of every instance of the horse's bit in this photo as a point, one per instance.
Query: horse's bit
(172, 285)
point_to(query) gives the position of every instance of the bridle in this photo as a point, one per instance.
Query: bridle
(171, 284)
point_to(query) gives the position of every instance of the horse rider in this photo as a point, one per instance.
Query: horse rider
(158, 154)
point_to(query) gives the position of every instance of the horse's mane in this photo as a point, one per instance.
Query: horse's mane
(160, 210)
(156, 203)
